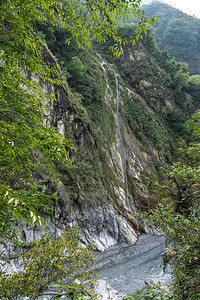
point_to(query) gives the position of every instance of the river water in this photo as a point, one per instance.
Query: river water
(127, 267)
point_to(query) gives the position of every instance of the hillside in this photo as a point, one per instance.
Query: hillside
(177, 33)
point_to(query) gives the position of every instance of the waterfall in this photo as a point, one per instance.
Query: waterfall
(120, 131)
(121, 143)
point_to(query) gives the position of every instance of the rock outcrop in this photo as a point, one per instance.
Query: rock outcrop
(113, 159)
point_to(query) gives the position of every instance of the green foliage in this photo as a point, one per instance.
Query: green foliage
(23, 135)
(21, 126)
(98, 17)
(147, 126)
(184, 231)
(62, 263)
(177, 33)
(195, 81)
(194, 86)
(178, 216)
(27, 204)
(151, 292)
(156, 79)
(101, 18)
(176, 122)
(80, 67)
(175, 74)
(191, 153)
(79, 180)
(76, 69)
(22, 108)
(180, 190)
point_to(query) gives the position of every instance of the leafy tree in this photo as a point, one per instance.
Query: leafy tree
(24, 138)
(63, 261)
(194, 86)
(154, 291)
(195, 81)
(76, 69)
(180, 191)
(184, 233)
(98, 17)
(176, 122)
(177, 215)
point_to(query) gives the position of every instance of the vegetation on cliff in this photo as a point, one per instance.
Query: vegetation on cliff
(159, 103)
(149, 78)
(52, 267)
(177, 215)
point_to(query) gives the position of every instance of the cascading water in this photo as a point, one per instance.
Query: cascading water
(121, 142)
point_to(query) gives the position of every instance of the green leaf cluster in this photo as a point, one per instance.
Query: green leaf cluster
(184, 233)
(63, 264)
(153, 291)
(25, 140)
(177, 215)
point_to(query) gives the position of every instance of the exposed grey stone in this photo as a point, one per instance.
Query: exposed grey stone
(108, 218)
(105, 292)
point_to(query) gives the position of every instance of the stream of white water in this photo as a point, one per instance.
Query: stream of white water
(121, 141)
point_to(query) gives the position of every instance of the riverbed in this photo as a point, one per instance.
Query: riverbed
(128, 267)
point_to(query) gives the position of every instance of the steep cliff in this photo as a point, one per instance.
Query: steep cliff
(121, 131)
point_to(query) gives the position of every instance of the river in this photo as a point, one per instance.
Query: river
(127, 267)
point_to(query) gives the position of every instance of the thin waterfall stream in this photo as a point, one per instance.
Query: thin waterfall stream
(121, 142)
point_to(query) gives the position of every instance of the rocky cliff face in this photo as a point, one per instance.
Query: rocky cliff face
(113, 158)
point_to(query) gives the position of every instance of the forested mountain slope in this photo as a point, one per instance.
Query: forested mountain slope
(177, 33)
